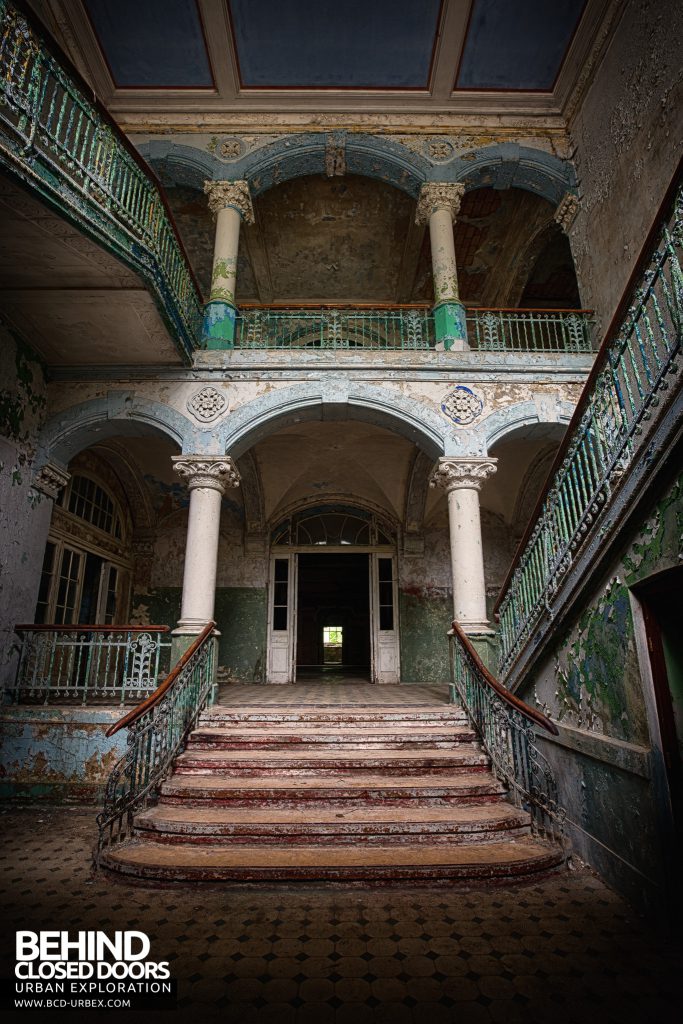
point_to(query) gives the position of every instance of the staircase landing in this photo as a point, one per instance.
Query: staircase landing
(332, 784)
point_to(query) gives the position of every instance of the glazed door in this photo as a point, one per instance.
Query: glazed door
(282, 619)
(383, 598)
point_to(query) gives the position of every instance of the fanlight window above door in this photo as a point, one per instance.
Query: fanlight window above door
(336, 527)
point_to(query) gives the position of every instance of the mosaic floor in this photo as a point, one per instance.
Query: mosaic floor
(562, 950)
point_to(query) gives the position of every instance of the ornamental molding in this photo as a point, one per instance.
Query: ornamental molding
(222, 194)
(455, 474)
(462, 405)
(566, 212)
(217, 472)
(207, 404)
(439, 195)
(50, 480)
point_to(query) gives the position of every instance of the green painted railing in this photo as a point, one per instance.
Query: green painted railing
(157, 731)
(64, 145)
(89, 664)
(627, 389)
(410, 327)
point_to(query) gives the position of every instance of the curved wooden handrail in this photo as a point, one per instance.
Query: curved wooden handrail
(524, 709)
(68, 627)
(162, 688)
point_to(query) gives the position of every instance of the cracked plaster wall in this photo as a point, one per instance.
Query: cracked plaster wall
(627, 141)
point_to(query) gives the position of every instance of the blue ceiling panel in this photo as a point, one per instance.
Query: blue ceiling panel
(319, 44)
(152, 44)
(517, 44)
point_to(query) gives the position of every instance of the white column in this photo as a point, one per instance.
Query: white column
(230, 202)
(208, 477)
(438, 206)
(462, 480)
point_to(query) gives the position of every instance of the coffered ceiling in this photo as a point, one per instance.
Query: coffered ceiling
(163, 57)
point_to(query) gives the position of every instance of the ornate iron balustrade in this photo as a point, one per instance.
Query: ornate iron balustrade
(66, 147)
(412, 328)
(506, 726)
(88, 664)
(337, 328)
(627, 389)
(530, 330)
(157, 730)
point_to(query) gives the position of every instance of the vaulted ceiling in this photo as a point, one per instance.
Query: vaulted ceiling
(286, 55)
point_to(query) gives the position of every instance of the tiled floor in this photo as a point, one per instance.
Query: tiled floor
(321, 694)
(563, 949)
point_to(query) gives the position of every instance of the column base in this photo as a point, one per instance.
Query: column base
(450, 325)
(485, 642)
(218, 326)
(184, 635)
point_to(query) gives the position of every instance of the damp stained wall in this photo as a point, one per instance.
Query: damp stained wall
(24, 512)
(596, 688)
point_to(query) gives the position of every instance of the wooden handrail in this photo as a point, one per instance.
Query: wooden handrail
(68, 627)
(524, 709)
(162, 688)
(598, 366)
(424, 306)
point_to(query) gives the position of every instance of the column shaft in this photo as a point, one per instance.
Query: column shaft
(444, 270)
(467, 557)
(201, 557)
(230, 202)
(438, 206)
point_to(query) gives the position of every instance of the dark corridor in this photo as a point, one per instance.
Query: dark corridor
(333, 617)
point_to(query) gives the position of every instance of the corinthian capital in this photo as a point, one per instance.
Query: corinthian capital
(230, 193)
(439, 195)
(50, 479)
(216, 471)
(454, 474)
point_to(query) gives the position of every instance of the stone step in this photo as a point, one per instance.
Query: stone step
(202, 862)
(359, 789)
(464, 757)
(363, 716)
(284, 736)
(333, 823)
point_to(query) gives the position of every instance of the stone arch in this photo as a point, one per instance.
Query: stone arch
(71, 430)
(500, 166)
(131, 480)
(543, 409)
(334, 400)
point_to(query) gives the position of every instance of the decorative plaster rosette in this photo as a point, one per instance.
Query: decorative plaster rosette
(462, 405)
(207, 404)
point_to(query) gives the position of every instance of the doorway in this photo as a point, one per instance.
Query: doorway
(333, 618)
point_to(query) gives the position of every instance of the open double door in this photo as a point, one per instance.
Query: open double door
(288, 593)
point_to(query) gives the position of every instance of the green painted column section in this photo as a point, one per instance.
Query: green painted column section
(450, 325)
(230, 203)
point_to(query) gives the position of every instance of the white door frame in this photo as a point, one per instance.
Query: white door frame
(384, 644)
(385, 665)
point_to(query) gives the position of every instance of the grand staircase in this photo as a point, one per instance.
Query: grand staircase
(322, 793)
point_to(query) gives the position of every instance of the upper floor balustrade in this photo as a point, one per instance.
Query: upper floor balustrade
(626, 399)
(410, 327)
(61, 142)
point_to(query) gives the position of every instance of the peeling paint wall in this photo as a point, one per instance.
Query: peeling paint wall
(597, 689)
(627, 138)
(24, 512)
(58, 753)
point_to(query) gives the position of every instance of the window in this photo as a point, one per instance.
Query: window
(87, 500)
(280, 593)
(337, 526)
(332, 644)
(386, 593)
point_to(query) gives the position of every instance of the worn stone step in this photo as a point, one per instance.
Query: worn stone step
(201, 862)
(273, 736)
(359, 789)
(368, 716)
(334, 823)
(464, 757)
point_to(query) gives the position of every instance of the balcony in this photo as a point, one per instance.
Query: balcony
(411, 328)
